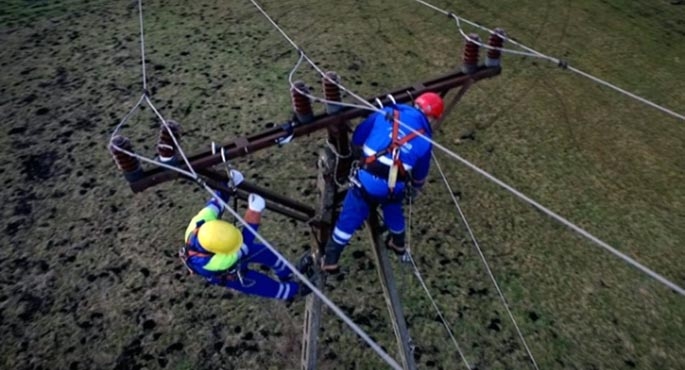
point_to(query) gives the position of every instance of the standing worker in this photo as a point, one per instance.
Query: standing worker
(219, 252)
(392, 156)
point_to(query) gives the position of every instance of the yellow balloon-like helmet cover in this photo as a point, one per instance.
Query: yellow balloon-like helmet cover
(219, 236)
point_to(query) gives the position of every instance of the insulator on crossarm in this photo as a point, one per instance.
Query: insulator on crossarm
(128, 164)
(471, 50)
(166, 148)
(302, 106)
(331, 91)
(496, 40)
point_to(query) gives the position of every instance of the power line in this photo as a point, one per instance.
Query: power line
(559, 62)
(417, 273)
(485, 263)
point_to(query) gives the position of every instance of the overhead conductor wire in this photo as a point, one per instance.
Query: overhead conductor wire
(485, 263)
(537, 54)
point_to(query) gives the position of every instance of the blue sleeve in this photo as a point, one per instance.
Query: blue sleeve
(361, 133)
(420, 170)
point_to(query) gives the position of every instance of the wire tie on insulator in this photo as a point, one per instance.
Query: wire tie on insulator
(392, 98)
(223, 156)
(450, 15)
(563, 64)
(380, 104)
(146, 93)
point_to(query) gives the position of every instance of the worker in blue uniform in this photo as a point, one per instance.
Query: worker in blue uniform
(393, 160)
(220, 252)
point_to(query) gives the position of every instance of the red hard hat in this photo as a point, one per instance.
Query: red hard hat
(431, 104)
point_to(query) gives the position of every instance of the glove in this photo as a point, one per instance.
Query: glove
(235, 178)
(255, 203)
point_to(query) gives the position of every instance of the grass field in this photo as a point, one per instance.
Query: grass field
(89, 273)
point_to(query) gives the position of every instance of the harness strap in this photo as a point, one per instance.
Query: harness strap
(396, 142)
(396, 170)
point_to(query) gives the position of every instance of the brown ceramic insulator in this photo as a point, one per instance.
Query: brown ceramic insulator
(165, 146)
(331, 91)
(301, 104)
(471, 50)
(125, 162)
(496, 41)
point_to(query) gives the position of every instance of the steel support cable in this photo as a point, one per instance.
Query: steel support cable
(314, 97)
(173, 137)
(535, 53)
(310, 61)
(417, 273)
(486, 264)
(492, 178)
(142, 44)
(646, 270)
(389, 360)
(126, 117)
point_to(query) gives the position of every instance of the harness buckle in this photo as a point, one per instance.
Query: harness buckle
(354, 171)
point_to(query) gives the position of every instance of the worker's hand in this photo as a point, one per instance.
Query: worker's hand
(236, 178)
(256, 203)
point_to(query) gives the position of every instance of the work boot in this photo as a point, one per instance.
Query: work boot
(331, 257)
(304, 290)
(305, 263)
(395, 242)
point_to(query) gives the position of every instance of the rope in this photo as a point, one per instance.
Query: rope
(486, 264)
(534, 53)
(417, 273)
(490, 177)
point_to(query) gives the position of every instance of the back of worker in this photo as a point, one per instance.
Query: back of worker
(395, 154)
(375, 134)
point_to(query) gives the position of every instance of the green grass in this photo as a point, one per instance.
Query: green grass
(87, 264)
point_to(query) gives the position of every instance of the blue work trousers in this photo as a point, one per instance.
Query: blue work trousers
(355, 210)
(258, 283)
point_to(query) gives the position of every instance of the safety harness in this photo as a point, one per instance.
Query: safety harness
(396, 170)
(186, 252)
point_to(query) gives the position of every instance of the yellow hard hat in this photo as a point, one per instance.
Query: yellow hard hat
(218, 236)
